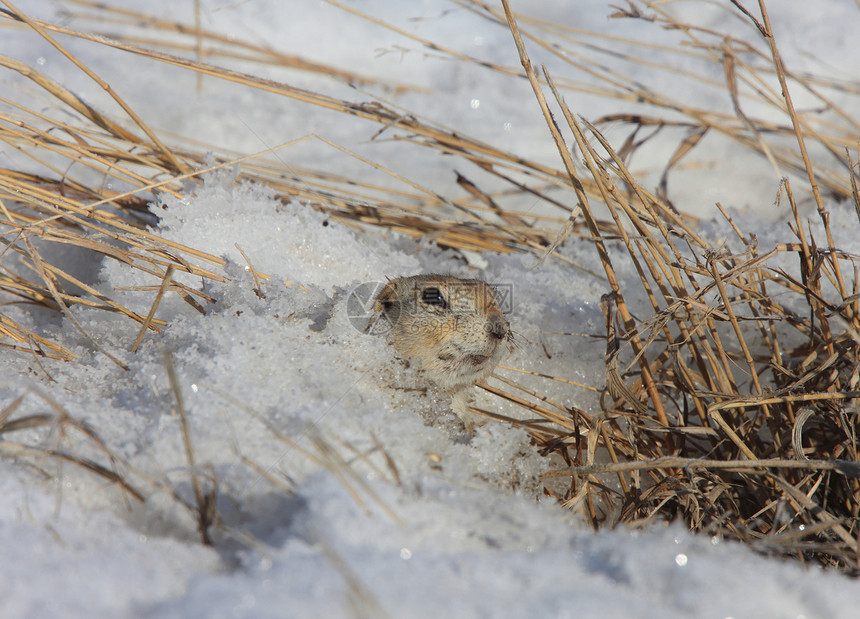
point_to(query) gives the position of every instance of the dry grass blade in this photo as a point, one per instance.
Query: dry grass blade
(351, 480)
(48, 437)
(361, 600)
(205, 501)
(49, 282)
(851, 469)
(148, 321)
(209, 44)
(749, 76)
(67, 98)
(10, 449)
(168, 155)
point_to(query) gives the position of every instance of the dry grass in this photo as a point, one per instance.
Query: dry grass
(728, 408)
(737, 412)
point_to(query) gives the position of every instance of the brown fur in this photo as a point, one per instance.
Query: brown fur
(452, 326)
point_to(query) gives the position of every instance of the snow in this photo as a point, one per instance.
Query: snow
(343, 491)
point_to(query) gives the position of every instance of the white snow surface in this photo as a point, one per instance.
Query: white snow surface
(280, 389)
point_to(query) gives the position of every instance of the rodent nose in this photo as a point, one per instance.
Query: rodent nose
(498, 327)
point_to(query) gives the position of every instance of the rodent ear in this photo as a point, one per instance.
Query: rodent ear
(386, 298)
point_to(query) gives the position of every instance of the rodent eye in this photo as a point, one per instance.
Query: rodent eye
(433, 296)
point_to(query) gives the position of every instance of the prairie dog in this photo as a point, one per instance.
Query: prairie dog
(452, 326)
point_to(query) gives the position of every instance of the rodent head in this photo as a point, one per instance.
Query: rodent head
(453, 326)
